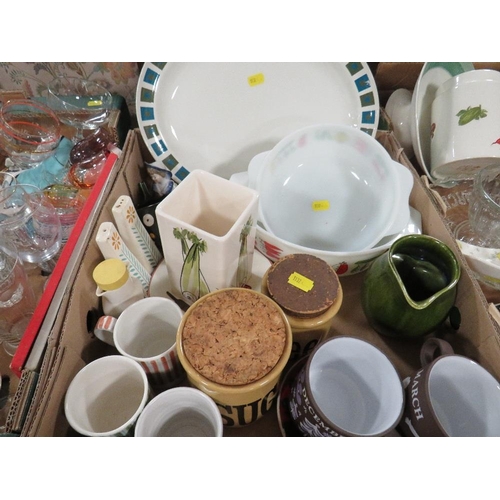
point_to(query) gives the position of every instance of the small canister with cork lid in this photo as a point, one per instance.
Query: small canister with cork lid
(116, 287)
(309, 292)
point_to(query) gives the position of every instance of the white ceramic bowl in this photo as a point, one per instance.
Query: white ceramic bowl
(484, 263)
(332, 188)
(344, 263)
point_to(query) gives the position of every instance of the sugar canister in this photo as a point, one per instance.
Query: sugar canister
(116, 287)
(309, 292)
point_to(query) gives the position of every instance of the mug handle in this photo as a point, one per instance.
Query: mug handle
(104, 328)
(433, 348)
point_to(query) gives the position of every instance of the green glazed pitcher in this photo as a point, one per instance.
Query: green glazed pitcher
(409, 290)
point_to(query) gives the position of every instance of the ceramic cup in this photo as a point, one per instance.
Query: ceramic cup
(146, 332)
(106, 397)
(207, 230)
(465, 125)
(180, 412)
(234, 345)
(410, 290)
(451, 395)
(348, 387)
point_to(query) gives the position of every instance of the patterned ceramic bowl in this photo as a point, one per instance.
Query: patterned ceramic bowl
(344, 263)
(333, 188)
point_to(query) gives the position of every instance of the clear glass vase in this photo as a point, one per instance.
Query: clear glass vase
(17, 299)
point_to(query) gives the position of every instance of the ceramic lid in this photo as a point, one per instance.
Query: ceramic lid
(303, 285)
(110, 274)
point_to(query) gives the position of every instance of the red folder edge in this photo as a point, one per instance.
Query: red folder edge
(24, 348)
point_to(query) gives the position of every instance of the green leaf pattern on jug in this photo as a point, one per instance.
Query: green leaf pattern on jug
(465, 116)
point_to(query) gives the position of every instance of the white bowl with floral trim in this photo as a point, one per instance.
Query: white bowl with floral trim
(344, 263)
(333, 188)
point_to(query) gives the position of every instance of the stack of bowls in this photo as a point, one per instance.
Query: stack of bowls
(334, 192)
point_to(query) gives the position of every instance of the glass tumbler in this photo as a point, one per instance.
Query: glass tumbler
(6, 179)
(483, 227)
(29, 133)
(68, 202)
(17, 298)
(30, 222)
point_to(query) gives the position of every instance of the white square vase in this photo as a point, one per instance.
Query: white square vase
(207, 228)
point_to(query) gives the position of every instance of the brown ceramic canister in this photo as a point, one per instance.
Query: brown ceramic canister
(234, 344)
(309, 292)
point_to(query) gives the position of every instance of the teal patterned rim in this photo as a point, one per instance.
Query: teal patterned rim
(360, 73)
(453, 68)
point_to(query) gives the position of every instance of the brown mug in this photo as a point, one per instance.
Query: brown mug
(451, 395)
(348, 387)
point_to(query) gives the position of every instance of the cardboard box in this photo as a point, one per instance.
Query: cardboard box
(70, 345)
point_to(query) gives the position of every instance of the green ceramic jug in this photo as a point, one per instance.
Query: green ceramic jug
(409, 290)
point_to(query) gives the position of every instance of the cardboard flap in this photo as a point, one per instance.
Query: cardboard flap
(47, 418)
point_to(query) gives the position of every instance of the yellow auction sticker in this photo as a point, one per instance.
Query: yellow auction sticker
(320, 205)
(256, 79)
(95, 103)
(300, 282)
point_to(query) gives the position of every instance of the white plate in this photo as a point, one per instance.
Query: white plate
(159, 278)
(432, 75)
(218, 116)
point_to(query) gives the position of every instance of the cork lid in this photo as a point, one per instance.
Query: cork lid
(110, 274)
(234, 336)
(303, 285)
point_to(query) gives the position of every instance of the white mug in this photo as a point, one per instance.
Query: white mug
(180, 412)
(106, 397)
(146, 332)
(465, 125)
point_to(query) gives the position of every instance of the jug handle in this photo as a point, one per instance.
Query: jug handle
(432, 349)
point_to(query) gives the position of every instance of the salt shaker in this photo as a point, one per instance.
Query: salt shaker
(116, 287)
(309, 292)
(112, 246)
